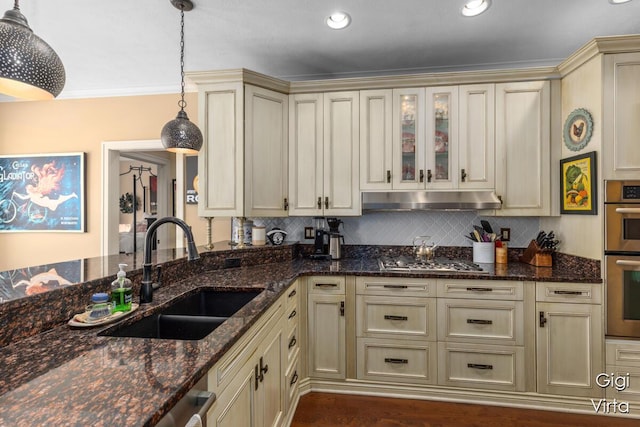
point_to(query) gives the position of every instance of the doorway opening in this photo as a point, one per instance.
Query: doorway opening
(149, 152)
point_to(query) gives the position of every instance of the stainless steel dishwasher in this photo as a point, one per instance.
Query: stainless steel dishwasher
(191, 410)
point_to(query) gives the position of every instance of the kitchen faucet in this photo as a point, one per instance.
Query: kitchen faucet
(146, 290)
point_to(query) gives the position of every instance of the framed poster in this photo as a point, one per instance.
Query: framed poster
(42, 192)
(579, 179)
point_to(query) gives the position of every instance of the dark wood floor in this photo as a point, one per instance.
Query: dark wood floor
(324, 409)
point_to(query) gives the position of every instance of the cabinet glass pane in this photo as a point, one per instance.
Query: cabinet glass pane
(441, 137)
(408, 106)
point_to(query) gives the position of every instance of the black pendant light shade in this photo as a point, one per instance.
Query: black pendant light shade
(180, 135)
(29, 67)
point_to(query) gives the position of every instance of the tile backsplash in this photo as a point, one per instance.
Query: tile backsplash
(446, 228)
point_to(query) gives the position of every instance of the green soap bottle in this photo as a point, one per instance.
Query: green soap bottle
(121, 294)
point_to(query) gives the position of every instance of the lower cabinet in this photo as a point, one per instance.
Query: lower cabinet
(326, 327)
(248, 380)
(570, 341)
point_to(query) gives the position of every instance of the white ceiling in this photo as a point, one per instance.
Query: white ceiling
(121, 47)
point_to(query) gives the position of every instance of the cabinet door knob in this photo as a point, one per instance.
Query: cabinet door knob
(286, 204)
(421, 175)
(388, 176)
(326, 202)
(463, 175)
(429, 175)
(319, 202)
(342, 308)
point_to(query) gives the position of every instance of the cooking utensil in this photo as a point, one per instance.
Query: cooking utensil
(486, 226)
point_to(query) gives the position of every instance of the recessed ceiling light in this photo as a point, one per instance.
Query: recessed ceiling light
(475, 7)
(339, 20)
(618, 1)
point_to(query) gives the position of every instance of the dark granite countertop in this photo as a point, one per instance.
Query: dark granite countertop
(67, 376)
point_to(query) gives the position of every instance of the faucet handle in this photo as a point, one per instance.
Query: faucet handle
(158, 281)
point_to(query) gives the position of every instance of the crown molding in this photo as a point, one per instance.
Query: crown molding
(239, 75)
(598, 46)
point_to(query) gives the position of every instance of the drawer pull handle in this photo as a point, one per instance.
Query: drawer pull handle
(326, 285)
(294, 379)
(293, 314)
(396, 361)
(292, 342)
(480, 322)
(479, 366)
(567, 292)
(392, 317)
(479, 289)
(395, 286)
(292, 293)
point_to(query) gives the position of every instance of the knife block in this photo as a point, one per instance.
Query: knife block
(537, 256)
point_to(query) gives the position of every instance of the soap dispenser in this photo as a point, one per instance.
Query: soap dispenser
(121, 292)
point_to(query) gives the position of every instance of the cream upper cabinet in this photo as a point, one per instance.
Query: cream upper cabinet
(242, 165)
(324, 154)
(442, 138)
(621, 156)
(408, 139)
(266, 152)
(376, 123)
(476, 136)
(523, 136)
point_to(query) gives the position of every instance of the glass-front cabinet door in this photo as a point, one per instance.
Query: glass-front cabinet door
(408, 138)
(441, 137)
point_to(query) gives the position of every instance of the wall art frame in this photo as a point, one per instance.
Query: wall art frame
(42, 192)
(579, 178)
(578, 129)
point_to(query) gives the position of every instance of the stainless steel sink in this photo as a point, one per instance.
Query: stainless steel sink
(192, 317)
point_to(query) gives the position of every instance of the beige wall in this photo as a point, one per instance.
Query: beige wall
(60, 126)
(581, 234)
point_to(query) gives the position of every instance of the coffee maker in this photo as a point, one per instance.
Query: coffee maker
(336, 240)
(320, 244)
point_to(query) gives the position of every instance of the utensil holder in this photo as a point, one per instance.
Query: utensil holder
(484, 252)
(537, 256)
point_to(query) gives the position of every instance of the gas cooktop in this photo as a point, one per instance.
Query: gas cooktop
(438, 265)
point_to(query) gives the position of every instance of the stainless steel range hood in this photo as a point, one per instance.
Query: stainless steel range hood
(429, 200)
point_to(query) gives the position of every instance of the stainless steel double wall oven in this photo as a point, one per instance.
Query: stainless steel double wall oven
(622, 257)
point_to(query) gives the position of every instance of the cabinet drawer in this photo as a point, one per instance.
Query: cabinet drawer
(584, 293)
(397, 361)
(326, 285)
(396, 286)
(291, 315)
(292, 344)
(293, 295)
(627, 381)
(480, 289)
(623, 353)
(291, 381)
(396, 317)
(481, 366)
(484, 322)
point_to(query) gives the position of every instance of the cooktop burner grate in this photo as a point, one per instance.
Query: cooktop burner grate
(444, 265)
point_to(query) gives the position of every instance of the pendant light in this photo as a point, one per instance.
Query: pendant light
(180, 135)
(29, 67)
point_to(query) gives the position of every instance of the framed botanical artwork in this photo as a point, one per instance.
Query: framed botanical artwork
(42, 192)
(579, 185)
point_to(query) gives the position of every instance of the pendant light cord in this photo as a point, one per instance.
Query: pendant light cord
(182, 102)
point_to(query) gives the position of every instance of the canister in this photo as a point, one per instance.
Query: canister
(258, 235)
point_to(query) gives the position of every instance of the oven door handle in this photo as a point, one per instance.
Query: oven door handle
(628, 262)
(628, 210)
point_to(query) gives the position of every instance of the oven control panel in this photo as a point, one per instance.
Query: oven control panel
(631, 192)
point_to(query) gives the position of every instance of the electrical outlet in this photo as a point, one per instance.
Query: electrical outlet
(505, 234)
(308, 233)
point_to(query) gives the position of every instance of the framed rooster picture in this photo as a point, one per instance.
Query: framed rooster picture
(578, 129)
(579, 190)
